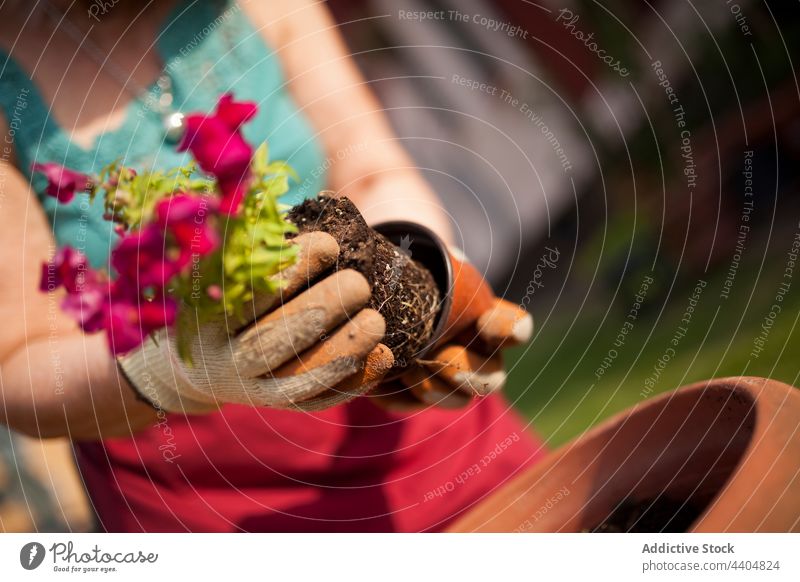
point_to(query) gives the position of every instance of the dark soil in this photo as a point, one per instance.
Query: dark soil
(650, 516)
(403, 291)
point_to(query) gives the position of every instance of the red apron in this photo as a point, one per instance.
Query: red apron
(351, 468)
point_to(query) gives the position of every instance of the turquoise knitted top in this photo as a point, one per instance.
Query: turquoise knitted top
(208, 48)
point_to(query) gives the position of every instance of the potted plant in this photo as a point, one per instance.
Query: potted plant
(209, 241)
(721, 455)
(426, 293)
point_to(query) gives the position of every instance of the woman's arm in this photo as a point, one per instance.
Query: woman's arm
(54, 381)
(368, 163)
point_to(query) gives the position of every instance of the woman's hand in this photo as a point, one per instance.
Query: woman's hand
(306, 349)
(472, 365)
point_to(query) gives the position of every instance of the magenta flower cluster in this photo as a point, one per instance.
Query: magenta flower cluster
(183, 229)
(217, 144)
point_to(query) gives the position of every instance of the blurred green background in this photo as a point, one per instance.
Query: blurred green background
(553, 381)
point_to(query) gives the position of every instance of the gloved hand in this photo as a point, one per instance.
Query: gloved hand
(310, 351)
(467, 362)
(472, 365)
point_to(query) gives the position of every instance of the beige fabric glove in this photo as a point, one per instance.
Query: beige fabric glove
(310, 352)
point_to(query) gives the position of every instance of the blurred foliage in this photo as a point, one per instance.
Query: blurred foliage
(554, 380)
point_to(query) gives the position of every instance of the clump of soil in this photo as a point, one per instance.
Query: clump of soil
(650, 516)
(403, 291)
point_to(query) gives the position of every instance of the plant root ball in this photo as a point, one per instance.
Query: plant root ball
(403, 291)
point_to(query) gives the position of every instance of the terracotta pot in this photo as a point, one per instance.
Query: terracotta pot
(729, 446)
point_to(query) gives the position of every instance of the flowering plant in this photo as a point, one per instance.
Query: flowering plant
(193, 244)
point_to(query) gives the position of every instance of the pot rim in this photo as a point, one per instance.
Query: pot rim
(758, 494)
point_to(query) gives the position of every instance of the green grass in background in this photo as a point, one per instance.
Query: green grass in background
(552, 381)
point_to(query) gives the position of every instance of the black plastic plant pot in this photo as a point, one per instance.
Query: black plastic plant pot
(430, 251)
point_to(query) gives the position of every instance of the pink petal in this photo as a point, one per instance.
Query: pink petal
(191, 126)
(140, 258)
(214, 292)
(157, 313)
(233, 192)
(62, 183)
(69, 268)
(87, 308)
(235, 113)
(125, 332)
(185, 217)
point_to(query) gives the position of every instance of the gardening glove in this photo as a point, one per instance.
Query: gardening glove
(471, 366)
(467, 362)
(306, 349)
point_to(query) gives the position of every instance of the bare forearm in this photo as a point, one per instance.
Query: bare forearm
(69, 387)
(401, 195)
(371, 166)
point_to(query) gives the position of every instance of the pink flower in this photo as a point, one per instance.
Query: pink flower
(214, 292)
(69, 268)
(128, 317)
(217, 144)
(62, 183)
(141, 259)
(142, 263)
(86, 289)
(185, 218)
(130, 321)
(233, 191)
(89, 307)
(158, 312)
(235, 113)
(123, 331)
